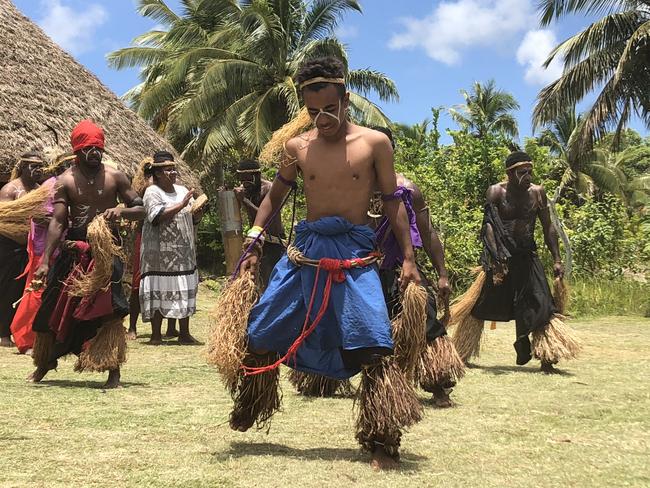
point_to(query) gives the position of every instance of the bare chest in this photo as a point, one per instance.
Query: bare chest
(344, 166)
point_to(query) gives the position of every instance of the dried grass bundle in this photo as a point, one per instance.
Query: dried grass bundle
(439, 363)
(272, 152)
(107, 350)
(409, 328)
(103, 249)
(42, 351)
(256, 397)
(560, 295)
(462, 306)
(15, 172)
(227, 340)
(314, 385)
(16, 215)
(199, 203)
(387, 403)
(59, 160)
(555, 342)
(467, 337)
(140, 181)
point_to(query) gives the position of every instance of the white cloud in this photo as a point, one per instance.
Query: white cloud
(455, 26)
(72, 29)
(533, 51)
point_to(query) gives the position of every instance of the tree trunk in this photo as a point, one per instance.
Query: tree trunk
(555, 218)
(231, 228)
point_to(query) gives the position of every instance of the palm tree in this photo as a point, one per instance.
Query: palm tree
(220, 75)
(416, 132)
(487, 111)
(612, 55)
(600, 168)
(615, 169)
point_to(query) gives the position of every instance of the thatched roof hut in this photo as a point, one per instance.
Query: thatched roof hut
(42, 85)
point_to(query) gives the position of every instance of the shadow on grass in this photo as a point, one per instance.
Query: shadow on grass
(499, 370)
(99, 385)
(409, 461)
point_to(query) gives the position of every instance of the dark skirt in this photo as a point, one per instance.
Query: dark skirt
(523, 296)
(271, 254)
(13, 260)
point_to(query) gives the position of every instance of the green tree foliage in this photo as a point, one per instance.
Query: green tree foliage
(487, 111)
(611, 55)
(606, 234)
(219, 75)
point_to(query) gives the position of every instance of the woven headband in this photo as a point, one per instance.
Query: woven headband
(32, 160)
(517, 165)
(321, 79)
(257, 170)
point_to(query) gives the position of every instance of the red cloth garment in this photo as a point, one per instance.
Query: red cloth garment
(86, 134)
(66, 306)
(21, 326)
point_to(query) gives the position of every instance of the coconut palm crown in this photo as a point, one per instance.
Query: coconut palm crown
(221, 74)
(611, 56)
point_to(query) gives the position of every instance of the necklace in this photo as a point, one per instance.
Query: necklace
(89, 181)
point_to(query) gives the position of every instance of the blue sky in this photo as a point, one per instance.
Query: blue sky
(430, 48)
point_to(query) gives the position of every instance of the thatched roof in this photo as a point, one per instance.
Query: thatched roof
(42, 85)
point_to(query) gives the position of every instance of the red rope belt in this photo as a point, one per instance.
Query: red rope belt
(335, 274)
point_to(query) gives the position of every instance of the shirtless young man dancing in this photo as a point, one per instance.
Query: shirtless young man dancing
(341, 164)
(88, 189)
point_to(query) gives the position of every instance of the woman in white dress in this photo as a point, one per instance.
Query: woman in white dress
(169, 277)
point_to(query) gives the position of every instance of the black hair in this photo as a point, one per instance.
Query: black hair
(248, 164)
(387, 131)
(517, 157)
(327, 67)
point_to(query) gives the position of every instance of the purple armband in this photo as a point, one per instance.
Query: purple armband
(282, 179)
(397, 194)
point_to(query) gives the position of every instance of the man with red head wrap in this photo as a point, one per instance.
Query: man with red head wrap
(88, 326)
(86, 134)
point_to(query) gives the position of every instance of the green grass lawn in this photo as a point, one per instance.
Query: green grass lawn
(167, 426)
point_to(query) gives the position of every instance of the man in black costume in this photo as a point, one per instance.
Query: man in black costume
(515, 286)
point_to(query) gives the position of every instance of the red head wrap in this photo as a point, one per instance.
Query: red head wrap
(86, 134)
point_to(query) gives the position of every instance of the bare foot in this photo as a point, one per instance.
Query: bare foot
(171, 333)
(39, 373)
(131, 335)
(113, 380)
(29, 352)
(6, 342)
(381, 461)
(154, 342)
(240, 422)
(188, 340)
(441, 398)
(547, 368)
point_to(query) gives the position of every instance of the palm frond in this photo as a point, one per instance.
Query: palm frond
(555, 9)
(323, 17)
(157, 10)
(130, 57)
(365, 81)
(365, 112)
